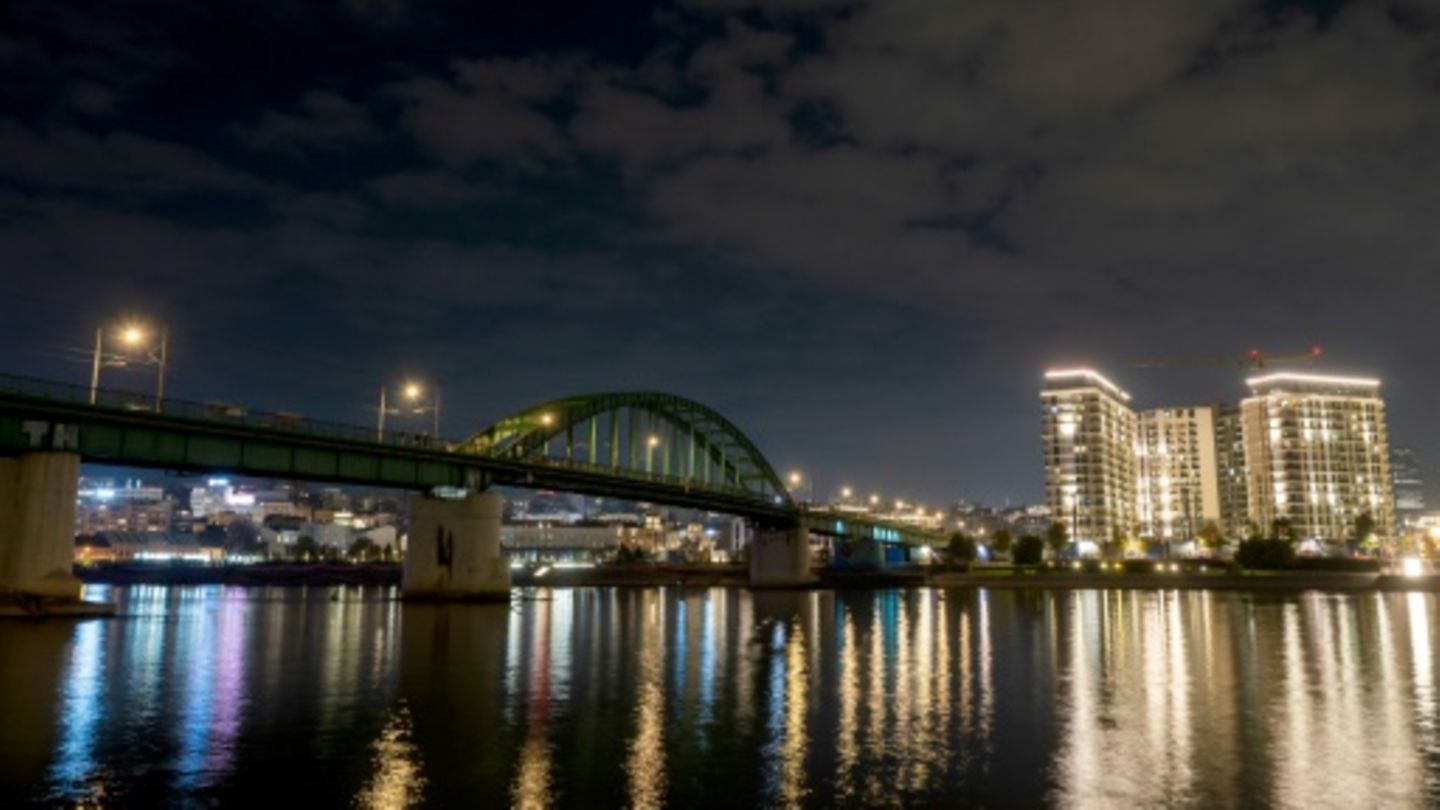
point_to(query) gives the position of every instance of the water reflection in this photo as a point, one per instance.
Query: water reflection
(645, 766)
(398, 780)
(720, 697)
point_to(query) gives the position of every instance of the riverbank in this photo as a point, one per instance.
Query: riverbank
(710, 575)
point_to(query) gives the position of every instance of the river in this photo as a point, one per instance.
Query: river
(597, 697)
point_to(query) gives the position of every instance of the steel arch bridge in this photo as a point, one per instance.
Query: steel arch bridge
(643, 446)
(662, 436)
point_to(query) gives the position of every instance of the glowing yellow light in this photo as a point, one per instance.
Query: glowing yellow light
(874, 500)
(412, 390)
(653, 441)
(795, 479)
(845, 492)
(1412, 567)
(1087, 374)
(1322, 379)
(132, 335)
(547, 420)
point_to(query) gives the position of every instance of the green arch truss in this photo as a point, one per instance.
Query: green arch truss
(642, 433)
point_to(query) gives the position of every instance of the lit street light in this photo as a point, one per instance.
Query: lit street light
(651, 443)
(412, 395)
(798, 480)
(133, 338)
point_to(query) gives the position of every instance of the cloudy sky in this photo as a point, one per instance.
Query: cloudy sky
(860, 228)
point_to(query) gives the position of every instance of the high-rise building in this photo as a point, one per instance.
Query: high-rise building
(1408, 485)
(1317, 454)
(1230, 471)
(1089, 434)
(1178, 482)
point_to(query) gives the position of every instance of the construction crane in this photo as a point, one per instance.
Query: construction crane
(1254, 358)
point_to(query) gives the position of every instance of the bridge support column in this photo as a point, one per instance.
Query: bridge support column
(37, 525)
(453, 550)
(780, 558)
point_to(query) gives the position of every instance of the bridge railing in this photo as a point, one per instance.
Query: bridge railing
(217, 412)
(677, 481)
(224, 413)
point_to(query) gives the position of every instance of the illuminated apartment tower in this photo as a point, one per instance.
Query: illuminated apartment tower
(1230, 468)
(1089, 435)
(1177, 488)
(1317, 453)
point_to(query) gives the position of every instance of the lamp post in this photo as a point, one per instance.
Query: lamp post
(797, 480)
(412, 395)
(651, 443)
(131, 337)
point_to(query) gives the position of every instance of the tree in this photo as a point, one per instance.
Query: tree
(1210, 535)
(363, 549)
(1283, 530)
(1113, 549)
(962, 549)
(304, 547)
(241, 537)
(1364, 529)
(1057, 537)
(1002, 541)
(1029, 549)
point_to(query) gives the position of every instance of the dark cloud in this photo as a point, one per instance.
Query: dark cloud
(861, 226)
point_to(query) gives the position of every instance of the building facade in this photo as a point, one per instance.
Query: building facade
(1088, 431)
(1177, 488)
(1408, 485)
(1317, 454)
(1230, 473)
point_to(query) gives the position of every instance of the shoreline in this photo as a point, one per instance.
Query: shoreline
(736, 575)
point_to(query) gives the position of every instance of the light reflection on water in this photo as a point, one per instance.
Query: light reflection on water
(603, 697)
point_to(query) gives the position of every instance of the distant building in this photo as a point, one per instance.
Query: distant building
(101, 505)
(1317, 454)
(1178, 482)
(1408, 486)
(1230, 472)
(1088, 431)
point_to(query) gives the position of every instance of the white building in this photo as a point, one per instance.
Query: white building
(1317, 454)
(1088, 431)
(1178, 482)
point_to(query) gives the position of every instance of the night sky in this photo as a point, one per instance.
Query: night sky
(860, 229)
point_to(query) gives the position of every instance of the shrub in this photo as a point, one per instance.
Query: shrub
(962, 550)
(1028, 550)
(1265, 554)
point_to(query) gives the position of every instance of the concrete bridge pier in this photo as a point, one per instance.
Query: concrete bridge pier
(780, 558)
(453, 550)
(37, 525)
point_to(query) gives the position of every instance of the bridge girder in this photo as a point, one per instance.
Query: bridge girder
(719, 453)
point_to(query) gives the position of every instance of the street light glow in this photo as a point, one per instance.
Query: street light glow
(796, 478)
(653, 441)
(132, 335)
(412, 390)
(846, 492)
(547, 420)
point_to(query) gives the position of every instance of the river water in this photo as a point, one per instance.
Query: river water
(344, 697)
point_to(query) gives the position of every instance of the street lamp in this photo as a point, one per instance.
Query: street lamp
(651, 442)
(133, 338)
(412, 396)
(797, 480)
(845, 493)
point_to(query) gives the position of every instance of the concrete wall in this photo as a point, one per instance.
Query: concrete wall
(780, 558)
(453, 550)
(37, 524)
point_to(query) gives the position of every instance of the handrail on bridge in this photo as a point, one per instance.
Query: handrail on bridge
(224, 413)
